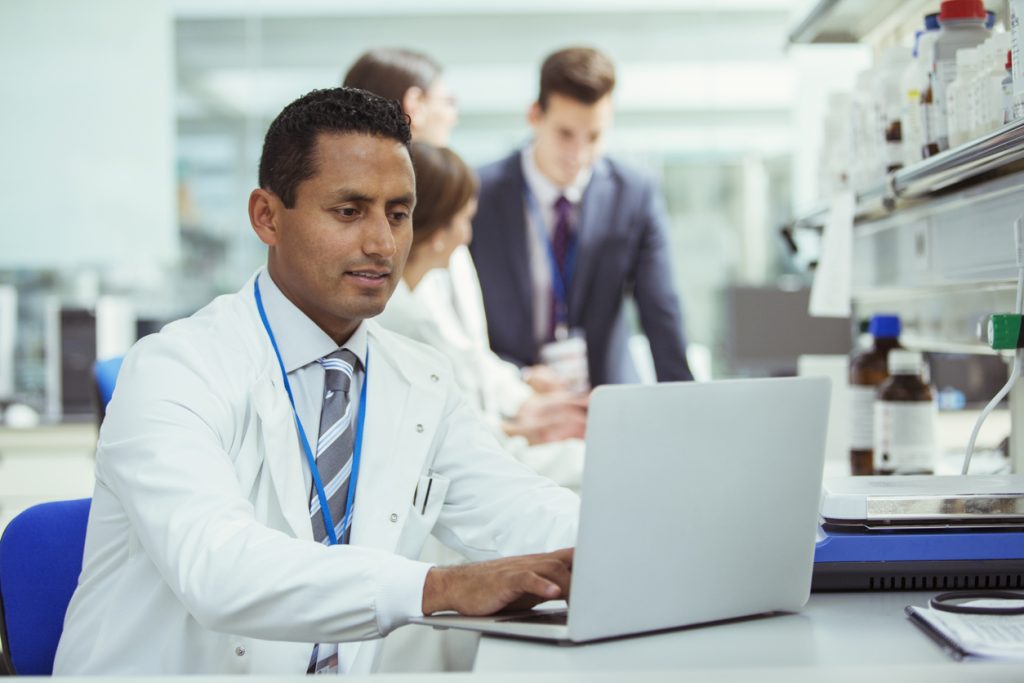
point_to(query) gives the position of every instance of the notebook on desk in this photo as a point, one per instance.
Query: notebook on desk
(699, 504)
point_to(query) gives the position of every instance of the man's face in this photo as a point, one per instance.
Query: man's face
(569, 135)
(339, 252)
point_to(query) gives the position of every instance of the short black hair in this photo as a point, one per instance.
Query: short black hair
(290, 143)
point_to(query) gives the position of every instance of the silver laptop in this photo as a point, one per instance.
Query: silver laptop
(699, 504)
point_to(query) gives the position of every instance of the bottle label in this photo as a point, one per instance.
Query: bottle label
(905, 436)
(862, 418)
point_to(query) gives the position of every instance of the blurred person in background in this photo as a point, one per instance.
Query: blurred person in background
(563, 234)
(546, 434)
(450, 289)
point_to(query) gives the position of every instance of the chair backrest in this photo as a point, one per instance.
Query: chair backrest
(40, 560)
(105, 374)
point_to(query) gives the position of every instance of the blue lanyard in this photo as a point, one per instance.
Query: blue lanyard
(561, 280)
(357, 450)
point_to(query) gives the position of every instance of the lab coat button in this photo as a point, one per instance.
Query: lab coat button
(419, 428)
(240, 651)
(434, 378)
(394, 516)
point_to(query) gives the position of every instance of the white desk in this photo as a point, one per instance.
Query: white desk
(978, 673)
(834, 632)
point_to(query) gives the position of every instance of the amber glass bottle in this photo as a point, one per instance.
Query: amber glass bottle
(905, 418)
(867, 371)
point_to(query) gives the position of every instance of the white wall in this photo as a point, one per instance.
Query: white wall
(87, 128)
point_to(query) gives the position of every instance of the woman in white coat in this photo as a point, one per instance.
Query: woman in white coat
(541, 430)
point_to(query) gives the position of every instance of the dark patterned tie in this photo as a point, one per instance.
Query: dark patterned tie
(560, 247)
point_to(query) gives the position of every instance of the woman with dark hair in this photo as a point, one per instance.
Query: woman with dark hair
(542, 430)
(414, 79)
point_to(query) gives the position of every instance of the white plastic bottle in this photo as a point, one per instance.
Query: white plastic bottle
(1017, 59)
(1007, 85)
(889, 99)
(916, 116)
(990, 85)
(957, 99)
(961, 25)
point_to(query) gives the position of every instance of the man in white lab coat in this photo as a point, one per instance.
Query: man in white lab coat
(201, 553)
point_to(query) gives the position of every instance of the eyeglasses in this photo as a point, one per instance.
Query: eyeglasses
(955, 602)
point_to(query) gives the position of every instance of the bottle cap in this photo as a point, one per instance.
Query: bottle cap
(903, 362)
(952, 10)
(931, 22)
(884, 326)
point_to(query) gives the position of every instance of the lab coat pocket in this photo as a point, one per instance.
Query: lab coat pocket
(427, 501)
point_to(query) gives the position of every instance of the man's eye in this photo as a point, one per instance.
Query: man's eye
(347, 212)
(399, 216)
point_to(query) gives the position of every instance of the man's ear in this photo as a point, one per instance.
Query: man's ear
(263, 209)
(411, 104)
(534, 114)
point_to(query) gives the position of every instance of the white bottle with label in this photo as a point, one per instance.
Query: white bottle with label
(962, 25)
(906, 417)
(914, 119)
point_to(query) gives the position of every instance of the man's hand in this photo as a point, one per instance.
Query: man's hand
(550, 417)
(512, 583)
(543, 379)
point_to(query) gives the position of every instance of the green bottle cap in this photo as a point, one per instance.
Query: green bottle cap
(1004, 331)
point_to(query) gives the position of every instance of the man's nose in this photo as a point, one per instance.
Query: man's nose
(378, 238)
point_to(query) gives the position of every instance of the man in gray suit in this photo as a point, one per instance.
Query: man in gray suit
(562, 235)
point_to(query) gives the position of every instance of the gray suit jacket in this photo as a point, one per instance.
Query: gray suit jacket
(622, 251)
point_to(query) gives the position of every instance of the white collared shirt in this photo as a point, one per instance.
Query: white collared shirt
(301, 343)
(546, 193)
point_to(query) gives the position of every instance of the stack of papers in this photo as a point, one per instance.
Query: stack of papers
(974, 636)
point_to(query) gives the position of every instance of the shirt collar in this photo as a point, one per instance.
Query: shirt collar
(545, 190)
(299, 339)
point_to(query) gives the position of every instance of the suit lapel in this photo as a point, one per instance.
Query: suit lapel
(517, 253)
(596, 221)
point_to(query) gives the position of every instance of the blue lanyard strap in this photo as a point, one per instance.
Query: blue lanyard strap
(561, 280)
(358, 447)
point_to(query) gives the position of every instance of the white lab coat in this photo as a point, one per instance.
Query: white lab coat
(428, 316)
(452, 320)
(199, 555)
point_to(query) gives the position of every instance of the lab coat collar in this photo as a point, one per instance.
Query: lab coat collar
(546, 192)
(300, 340)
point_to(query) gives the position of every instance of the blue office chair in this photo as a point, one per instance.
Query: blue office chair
(105, 374)
(40, 560)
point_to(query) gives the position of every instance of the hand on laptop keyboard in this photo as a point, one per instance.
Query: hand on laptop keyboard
(511, 583)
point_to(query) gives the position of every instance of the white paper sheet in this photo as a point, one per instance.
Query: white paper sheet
(830, 293)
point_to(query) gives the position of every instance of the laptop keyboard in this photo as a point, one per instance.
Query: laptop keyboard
(556, 618)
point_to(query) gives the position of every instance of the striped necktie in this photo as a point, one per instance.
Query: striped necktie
(334, 463)
(334, 446)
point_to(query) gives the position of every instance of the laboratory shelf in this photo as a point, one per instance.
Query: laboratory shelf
(934, 241)
(998, 152)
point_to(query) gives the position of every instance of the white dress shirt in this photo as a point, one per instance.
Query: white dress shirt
(546, 193)
(302, 343)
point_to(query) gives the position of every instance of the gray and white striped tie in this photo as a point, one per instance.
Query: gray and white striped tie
(334, 463)
(334, 447)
